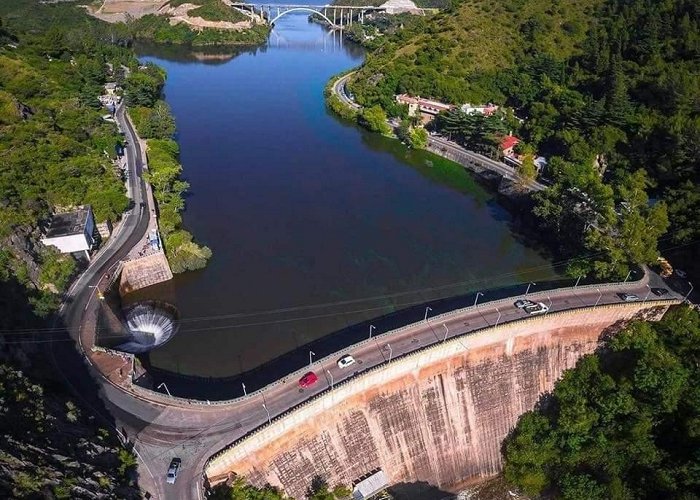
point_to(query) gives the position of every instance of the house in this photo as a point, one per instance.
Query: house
(508, 143)
(72, 231)
(111, 88)
(428, 108)
(483, 109)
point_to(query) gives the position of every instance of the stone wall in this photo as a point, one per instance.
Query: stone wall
(438, 415)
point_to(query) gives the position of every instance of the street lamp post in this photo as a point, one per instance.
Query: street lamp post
(311, 361)
(166, 388)
(577, 280)
(447, 330)
(478, 294)
(688, 294)
(427, 309)
(331, 376)
(600, 294)
(647, 295)
(245, 393)
(499, 316)
(269, 420)
(528, 288)
(371, 327)
(390, 351)
(550, 305)
(628, 276)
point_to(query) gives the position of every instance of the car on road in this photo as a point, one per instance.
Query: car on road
(538, 308)
(520, 304)
(173, 469)
(308, 380)
(346, 361)
(628, 297)
(659, 292)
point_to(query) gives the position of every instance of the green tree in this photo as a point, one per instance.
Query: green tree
(375, 119)
(624, 423)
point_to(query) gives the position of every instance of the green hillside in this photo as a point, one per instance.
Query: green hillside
(455, 54)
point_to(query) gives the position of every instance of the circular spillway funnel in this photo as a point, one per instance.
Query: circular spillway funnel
(149, 325)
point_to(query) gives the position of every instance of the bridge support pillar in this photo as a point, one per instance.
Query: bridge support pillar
(335, 18)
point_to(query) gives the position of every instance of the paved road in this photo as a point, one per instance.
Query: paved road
(455, 152)
(340, 90)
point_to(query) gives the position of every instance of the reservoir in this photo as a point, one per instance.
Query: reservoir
(314, 224)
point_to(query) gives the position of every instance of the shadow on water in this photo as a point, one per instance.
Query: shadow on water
(217, 389)
(213, 55)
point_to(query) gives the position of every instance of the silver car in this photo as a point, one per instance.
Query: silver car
(173, 470)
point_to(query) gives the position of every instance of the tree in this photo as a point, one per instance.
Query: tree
(527, 170)
(375, 120)
(142, 89)
(624, 423)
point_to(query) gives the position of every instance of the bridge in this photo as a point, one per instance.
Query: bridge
(337, 16)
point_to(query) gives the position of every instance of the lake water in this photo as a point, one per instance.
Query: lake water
(314, 223)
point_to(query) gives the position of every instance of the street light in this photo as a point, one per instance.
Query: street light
(166, 388)
(370, 330)
(647, 296)
(628, 276)
(477, 297)
(447, 330)
(311, 353)
(269, 420)
(331, 375)
(499, 316)
(390, 351)
(425, 318)
(600, 294)
(245, 393)
(528, 288)
(688, 294)
(550, 305)
(577, 280)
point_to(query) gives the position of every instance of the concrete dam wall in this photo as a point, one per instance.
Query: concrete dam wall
(438, 415)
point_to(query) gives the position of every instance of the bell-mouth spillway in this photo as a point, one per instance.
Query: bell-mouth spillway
(148, 325)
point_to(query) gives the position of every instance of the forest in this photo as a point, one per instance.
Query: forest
(607, 90)
(624, 423)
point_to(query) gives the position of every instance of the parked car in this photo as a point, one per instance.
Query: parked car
(538, 308)
(681, 274)
(173, 470)
(346, 361)
(308, 380)
(523, 303)
(659, 292)
(628, 297)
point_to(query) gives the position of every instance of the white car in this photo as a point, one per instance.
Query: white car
(346, 361)
(173, 469)
(538, 308)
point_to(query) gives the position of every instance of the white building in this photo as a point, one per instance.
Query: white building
(72, 231)
(483, 109)
(370, 486)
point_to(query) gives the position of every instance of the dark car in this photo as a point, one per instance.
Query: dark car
(308, 380)
(173, 469)
(659, 292)
(523, 303)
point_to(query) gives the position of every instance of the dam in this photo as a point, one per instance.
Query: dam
(437, 415)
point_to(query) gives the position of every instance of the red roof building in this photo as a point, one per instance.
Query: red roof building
(508, 143)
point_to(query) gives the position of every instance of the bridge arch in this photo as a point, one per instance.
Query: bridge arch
(302, 9)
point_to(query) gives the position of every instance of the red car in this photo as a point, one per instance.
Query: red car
(308, 380)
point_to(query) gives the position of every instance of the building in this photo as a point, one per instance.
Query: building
(370, 486)
(508, 143)
(428, 108)
(484, 109)
(111, 88)
(72, 231)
